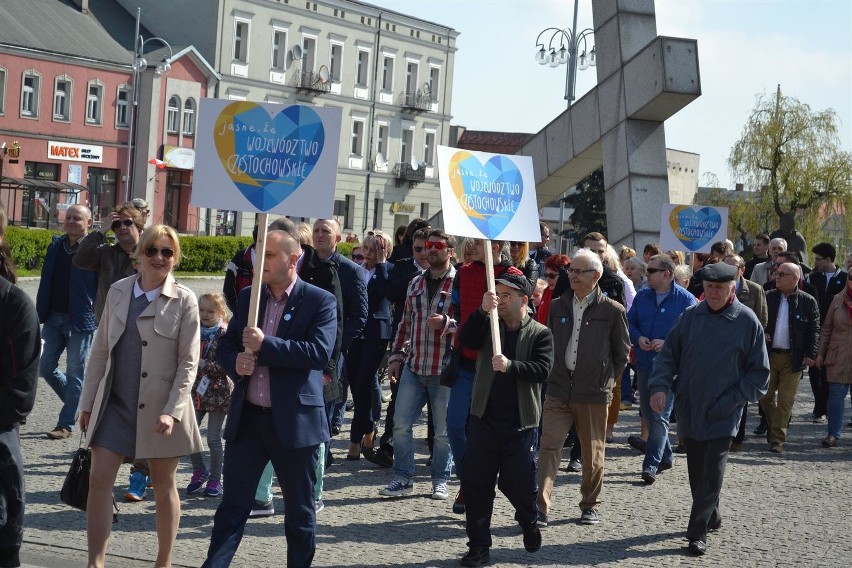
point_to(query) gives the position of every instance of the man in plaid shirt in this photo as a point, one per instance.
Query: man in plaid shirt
(419, 348)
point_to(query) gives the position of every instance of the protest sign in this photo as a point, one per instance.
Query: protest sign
(692, 228)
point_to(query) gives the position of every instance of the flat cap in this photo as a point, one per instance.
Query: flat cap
(718, 272)
(516, 281)
(139, 203)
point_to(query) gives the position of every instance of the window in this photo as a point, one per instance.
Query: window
(94, 103)
(407, 139)
(122, 107)
(2, 91)
(411, 77)
(62, 99)
(29, 94)
(309, 52)
(429, 149)
(189, 117)
(357, 138)
(387, 73)
(382, 140)
(362, 68)
(241, 39)
(173, 115)
(434, 77)
(336, 61)
(279, 50)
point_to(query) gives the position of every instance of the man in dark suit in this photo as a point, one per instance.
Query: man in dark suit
(828, 280)
(276, 409)
(326, 235)
(792, 336)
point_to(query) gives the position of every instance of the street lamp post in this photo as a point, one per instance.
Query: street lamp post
(554, 57)
(139, 65)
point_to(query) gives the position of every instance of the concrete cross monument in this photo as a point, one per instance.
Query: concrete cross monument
(643, 79)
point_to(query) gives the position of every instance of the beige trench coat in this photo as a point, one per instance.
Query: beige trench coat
(835, 342)
(169, 329)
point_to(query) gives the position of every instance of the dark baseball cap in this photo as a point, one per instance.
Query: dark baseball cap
(516, 281)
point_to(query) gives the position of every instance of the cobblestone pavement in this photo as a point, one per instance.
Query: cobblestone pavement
(791, 509)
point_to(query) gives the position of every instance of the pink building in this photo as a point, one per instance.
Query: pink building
(66, 96)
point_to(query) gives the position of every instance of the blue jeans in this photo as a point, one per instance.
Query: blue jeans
(459, 408)
(414, 391)
(836, 399)
(659, 448)
(58, 337)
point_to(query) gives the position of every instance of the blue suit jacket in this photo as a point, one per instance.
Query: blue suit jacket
(379, 318)
(354, 299)
(296, 356)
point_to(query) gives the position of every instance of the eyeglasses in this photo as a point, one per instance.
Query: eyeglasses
(120, 222)
(579, 270)
(780, 274)
(357, 257)
(655, 270)
(418, 249)
(166, 253)
(437, 245)
(550, 275)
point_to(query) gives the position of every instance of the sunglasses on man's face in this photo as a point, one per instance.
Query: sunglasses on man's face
(436, 245)
(120, 222)
(655, 270)
(166, 253)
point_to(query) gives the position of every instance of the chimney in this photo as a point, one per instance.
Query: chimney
(739, 187)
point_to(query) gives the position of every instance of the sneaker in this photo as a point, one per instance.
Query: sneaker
(213, 489)
(199, 478)
(648, 476)
(776, 447)
(137, 488)
(542, 519)
(439, 491)
(476, 556)
(625, 406)
(819, 419)
(458, 504)
(532, 538)
(397, 488)
(59, 433)
(261, 509)
(574, 466)
(589, 517)
(318, 506)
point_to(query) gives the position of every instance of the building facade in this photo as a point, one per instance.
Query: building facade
(390, 74)
(67, 101)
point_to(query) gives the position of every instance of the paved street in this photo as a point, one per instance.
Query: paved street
(791, 509)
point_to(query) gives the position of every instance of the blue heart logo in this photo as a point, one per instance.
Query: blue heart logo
(695, 228)
(268, 156)
(490, 193)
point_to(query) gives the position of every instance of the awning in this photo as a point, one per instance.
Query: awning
(41, 185)
(33, 202)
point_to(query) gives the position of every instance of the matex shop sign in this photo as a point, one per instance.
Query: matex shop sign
(75, 152)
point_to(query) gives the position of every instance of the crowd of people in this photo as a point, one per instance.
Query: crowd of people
(579, 339)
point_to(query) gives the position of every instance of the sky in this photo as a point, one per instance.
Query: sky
(745, 48)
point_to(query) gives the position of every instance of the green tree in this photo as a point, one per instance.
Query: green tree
(791, 156)
(589, 207)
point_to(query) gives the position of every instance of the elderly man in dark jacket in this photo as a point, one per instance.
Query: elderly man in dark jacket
(792, 335)
(591, 344)
(716, 351)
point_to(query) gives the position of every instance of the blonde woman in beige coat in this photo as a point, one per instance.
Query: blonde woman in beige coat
(835, 356)
(136, 394)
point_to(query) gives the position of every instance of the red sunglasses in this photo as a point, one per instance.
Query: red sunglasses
(437, 245)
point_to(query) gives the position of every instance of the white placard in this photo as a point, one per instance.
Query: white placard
(692, 228)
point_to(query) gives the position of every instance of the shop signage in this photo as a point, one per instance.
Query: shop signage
(397, 207)
(75, 152)
(178, 157)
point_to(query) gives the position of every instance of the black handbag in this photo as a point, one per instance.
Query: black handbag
(75, 489)
(450, 367)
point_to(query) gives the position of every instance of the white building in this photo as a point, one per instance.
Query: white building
(390, 74)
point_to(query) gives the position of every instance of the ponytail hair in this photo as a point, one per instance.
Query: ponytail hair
(7, 265)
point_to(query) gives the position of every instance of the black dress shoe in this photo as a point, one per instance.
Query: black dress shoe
(637, 443)
(335, 429)
(698, 547)
(379, 457)
(761, 428)
(476, 556)
(715, 525)
(664, 466)
(532, 538)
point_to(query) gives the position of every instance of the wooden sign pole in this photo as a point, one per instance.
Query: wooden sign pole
(489, 282)
(256, 283)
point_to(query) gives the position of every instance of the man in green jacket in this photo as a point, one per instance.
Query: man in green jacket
(591, 344)
(505, 411)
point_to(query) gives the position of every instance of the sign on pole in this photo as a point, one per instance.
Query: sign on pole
(692, 228)
(488, 196)
(266, 158)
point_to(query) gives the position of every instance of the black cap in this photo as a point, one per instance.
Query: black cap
(718, 272)
(516, 281)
